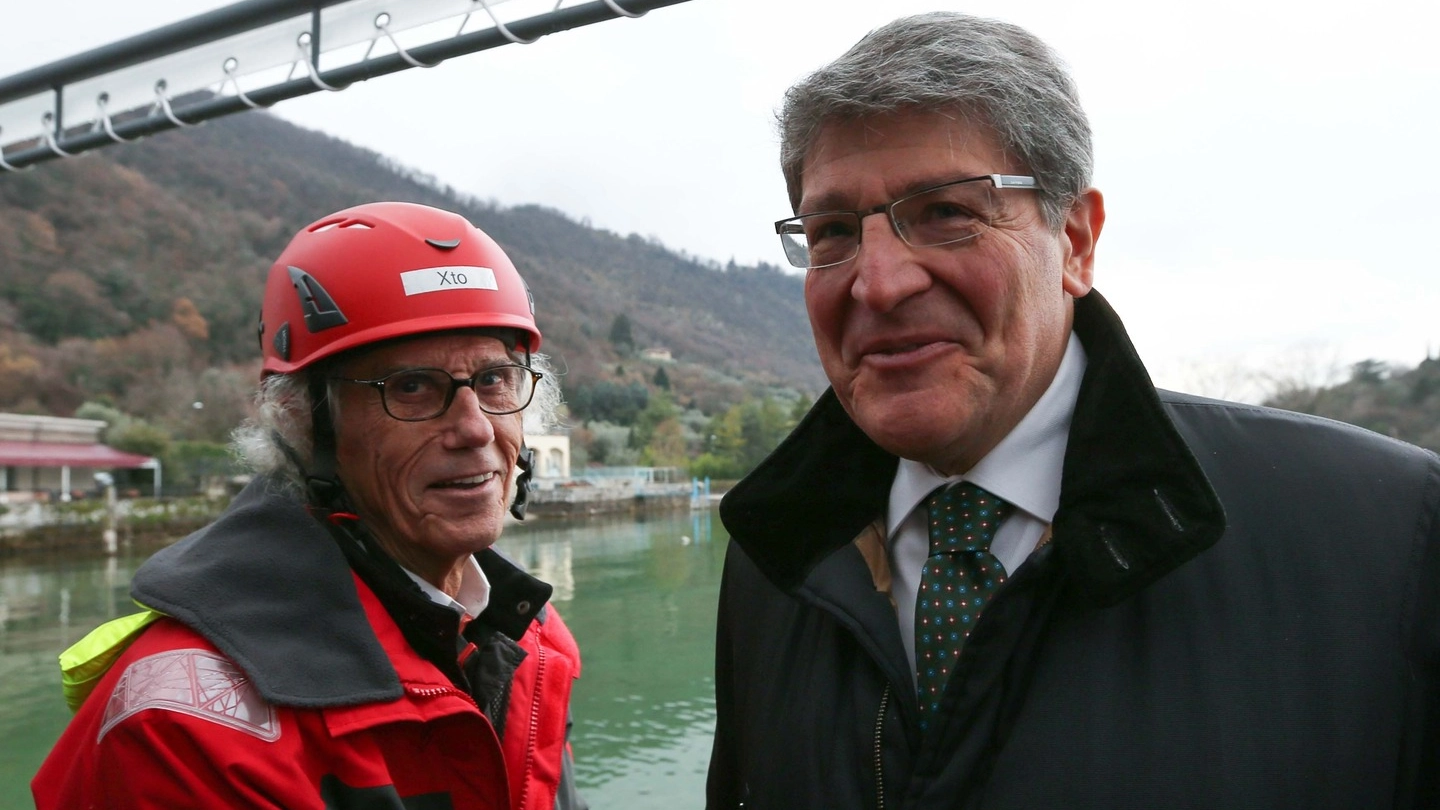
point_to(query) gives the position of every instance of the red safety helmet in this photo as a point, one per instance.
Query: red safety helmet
(386, 270)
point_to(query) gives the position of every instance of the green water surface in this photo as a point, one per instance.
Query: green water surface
(639, 595)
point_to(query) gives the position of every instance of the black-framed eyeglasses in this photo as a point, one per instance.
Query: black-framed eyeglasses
(940, 215)
(418, 394)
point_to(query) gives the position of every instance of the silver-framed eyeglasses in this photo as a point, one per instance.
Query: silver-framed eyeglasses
(418, 394)
(951, 212)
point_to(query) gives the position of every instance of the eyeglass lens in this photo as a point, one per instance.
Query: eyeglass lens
(425, 393)
(940, 216)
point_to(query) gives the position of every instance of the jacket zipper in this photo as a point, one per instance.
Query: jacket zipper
(436, 691)
(534, 722)
(879, 757)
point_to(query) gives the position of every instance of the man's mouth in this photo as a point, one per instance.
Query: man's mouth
(908, 347)
(901, 357)
(468, 482)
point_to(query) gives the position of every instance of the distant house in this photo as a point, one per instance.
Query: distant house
(40, 455)
(659, 353)
(552, 456)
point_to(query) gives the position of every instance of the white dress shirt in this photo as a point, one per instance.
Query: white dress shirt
(1024, 469)
(473, 596)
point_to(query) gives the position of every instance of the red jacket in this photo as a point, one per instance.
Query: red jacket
(175, 724)
(311, 699)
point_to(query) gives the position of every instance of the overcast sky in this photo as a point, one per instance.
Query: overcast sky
(1269, 166)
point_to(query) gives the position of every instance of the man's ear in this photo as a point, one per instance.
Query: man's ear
(1078, 237)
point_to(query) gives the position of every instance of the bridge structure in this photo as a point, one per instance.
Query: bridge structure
(256, 53)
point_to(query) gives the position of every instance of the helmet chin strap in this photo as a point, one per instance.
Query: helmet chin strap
(526, 463)
(322, 482)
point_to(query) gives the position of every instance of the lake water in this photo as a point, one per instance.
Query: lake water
(639, 595)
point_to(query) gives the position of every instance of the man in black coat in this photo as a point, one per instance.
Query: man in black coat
(1155, 600)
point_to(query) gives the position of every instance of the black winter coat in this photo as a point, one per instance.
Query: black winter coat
(1239, 608)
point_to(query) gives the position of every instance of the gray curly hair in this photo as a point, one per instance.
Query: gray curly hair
(282, 425)
(997, 73)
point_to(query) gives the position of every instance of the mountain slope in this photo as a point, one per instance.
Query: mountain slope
(142, 261)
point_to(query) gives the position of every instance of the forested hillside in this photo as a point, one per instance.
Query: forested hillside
(1398, 402)
(130, 278)
(130, 281)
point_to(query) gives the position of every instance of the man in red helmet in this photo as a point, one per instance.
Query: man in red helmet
(345, 636)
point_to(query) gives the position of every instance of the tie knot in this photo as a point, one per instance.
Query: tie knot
(963, 517)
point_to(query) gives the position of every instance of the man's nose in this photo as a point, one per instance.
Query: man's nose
(886, 270)
(468, 425)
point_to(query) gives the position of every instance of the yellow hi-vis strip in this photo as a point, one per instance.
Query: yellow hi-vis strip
(82, 666)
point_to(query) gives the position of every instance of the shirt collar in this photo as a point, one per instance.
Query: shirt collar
(474, 593)
(1024, 468)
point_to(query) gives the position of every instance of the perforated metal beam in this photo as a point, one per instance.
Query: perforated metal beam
(238, 19)
(199, 30)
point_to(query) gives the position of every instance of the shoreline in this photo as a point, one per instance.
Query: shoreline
(84, 533)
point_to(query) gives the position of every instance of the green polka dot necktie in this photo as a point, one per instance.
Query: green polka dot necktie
(959, 577)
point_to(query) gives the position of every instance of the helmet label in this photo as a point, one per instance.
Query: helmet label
(435, 279)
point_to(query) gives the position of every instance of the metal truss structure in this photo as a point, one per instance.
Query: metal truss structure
(253, 54)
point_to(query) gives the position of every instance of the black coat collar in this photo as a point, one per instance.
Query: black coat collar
(1134, 503)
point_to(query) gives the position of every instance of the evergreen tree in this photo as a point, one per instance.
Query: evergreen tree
(620, 336)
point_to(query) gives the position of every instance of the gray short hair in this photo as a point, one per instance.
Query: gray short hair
(998, 73)
(282, 419)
